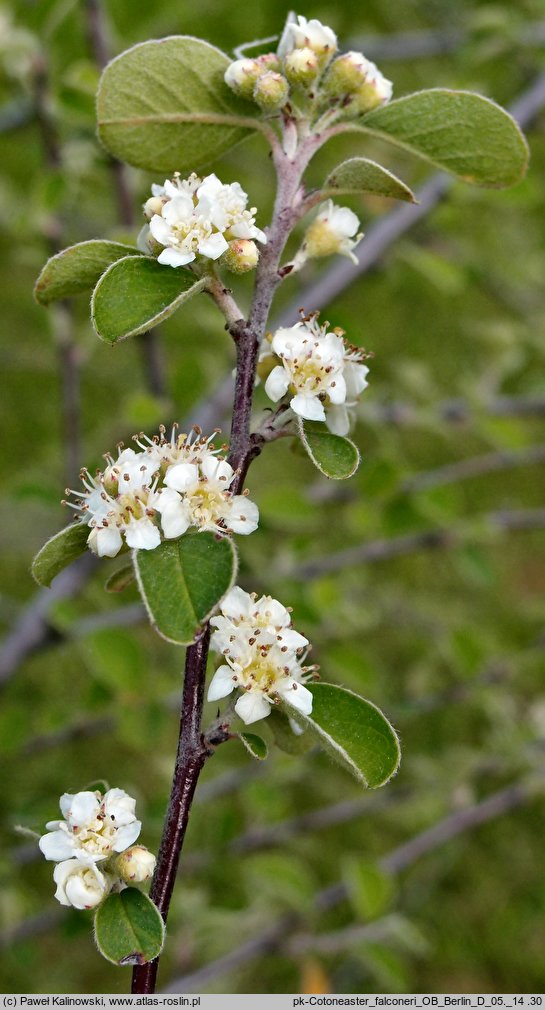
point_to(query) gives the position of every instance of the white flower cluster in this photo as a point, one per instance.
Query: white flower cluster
(323, 373)
(198, 217)
(168, 486)
(262, 656)
(93, 847)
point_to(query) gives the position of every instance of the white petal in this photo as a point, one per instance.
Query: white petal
(243, 515)
(107, 539)
(292, 639)
(344, 222)
(273, 611)
(178, 209)
(222, 683)
(182, 476)
(173, 258)
(142, 534)
(175, 520)
(83, 809)
(287, 337)
(337, 390)
(120, 806)
(338, 420)
(237, 603)
(277, 383)
(309, 407)
(160, 229)
(126, 835)
(214, 246)
(57, 845)
(252, 706)
(355, 378)
(217, 470)
(298, 695)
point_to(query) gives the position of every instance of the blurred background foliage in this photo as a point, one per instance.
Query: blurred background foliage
(436, 612)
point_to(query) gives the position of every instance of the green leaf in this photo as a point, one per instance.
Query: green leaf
(333, 455)
(136, 294)
(120, 579)
(254, 745)
(164, 105)
(128, 928)
(353, 731)
(360, 175)
(59, 552)
(459, 131)
(182, 581)
(78, 269)
(370, 888)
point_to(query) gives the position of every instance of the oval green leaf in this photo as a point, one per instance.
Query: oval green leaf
(353, 731)
(59, 552)
(458, 131)
(182, 581)
(164, 105)
(78, 268)
(360, 175)
(335, 456)
(254, 745)
(136, 294)
(128, 928)
(120, 579)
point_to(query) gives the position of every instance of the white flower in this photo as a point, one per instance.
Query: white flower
(334, 230)
(243, 614)
(199, 217)
(80, 884)
(94, 827)
(323, 375)
(308, 34)
(260, 651)
(266, 673)
(197, 494)
(135, 865)
(130, 514)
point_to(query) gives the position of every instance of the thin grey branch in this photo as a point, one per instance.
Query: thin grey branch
(410, 543)
(475, 466)
(277, 936)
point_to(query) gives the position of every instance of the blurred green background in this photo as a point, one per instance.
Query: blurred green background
(446, 633)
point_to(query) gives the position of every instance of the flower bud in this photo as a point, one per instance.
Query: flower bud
(271, 91)
(375, 92)
(301, 66)
(241, 256)
(269, 61)
(135, 865)
(154, 205)
(241, 76)
(347, 73)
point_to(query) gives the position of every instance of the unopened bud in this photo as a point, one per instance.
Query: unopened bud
(269, 61)
(154, 205)
(271, 91)
(135, 865)
(347, 73)
(334, 230)
(241, 256)
(241, 76)
(301, 66)
(313, 35)
(375, 92)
